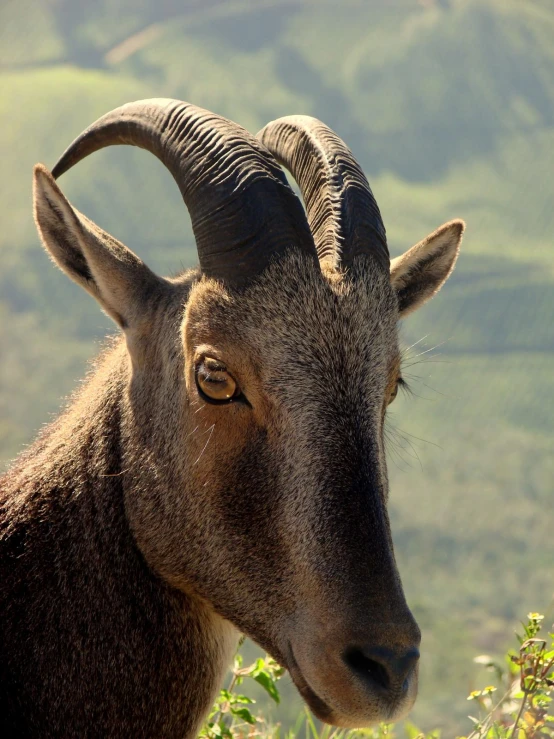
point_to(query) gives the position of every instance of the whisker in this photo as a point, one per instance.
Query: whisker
(407, 349)
(434, 390)
(413, 393)
(414, 450)
(425, 441)
(396, 444)
(211, 430)
(404, 443)
(115, 474)
(432, 348)
(399, 461)
(429, 361)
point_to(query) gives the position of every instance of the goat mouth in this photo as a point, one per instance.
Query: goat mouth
(316, 704)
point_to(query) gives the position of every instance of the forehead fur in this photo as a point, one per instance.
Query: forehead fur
(299, 319)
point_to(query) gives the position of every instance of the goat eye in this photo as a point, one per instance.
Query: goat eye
(394, 392)
(214, 382)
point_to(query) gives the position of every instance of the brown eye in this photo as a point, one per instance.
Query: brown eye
(214, 382)
(394, 391)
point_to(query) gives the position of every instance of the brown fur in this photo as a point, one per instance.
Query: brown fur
(145, 527)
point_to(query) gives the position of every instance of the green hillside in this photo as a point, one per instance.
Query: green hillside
(449, 106)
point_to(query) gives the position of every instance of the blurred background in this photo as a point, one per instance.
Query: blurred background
(449, 107)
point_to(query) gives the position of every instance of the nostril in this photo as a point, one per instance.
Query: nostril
(381, 666)
(367, 668)
(407, 662)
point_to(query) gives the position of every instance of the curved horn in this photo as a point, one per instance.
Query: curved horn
(342, 212)
(243, 212)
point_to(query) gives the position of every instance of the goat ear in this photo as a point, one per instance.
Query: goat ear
(110, 272)
(421, 271)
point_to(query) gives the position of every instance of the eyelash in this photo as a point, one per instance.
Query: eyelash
(405, 386)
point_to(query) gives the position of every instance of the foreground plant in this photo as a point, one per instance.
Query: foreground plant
(232, 714)
(525, 685)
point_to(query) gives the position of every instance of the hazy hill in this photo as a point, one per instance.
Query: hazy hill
(449, 105)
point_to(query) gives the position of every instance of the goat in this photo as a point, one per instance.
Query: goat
(223, 468)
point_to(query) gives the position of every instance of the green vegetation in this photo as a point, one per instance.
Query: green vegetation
(449, 105)
(232, 712)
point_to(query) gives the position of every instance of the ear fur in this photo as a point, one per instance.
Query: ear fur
(420, 272)
(103, 266)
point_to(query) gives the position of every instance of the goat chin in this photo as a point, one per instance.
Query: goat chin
(340, 696)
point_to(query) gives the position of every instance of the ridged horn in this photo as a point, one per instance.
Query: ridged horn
(243, 212)
(342, 212)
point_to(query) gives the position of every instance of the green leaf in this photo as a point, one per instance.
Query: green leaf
(225, 729)
(258, 665)
(244, 714)
(240, 699)
(275, 669)
(268, 685)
